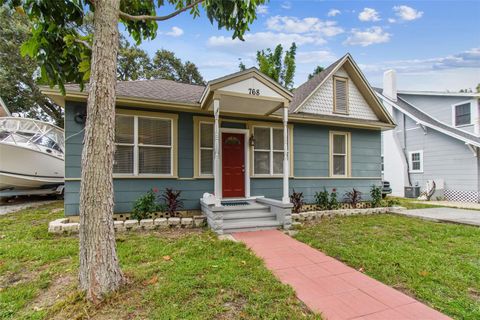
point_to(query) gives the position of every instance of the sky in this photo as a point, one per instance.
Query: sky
(433, 45)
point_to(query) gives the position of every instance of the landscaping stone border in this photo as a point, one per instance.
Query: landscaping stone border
(64, 225)
(299, 218)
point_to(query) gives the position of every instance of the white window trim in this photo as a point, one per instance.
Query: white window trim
(200, 148)
(271, 151)
(348, 153)
(137, 145)
(344, 79)
(410, 162)
(473, 113)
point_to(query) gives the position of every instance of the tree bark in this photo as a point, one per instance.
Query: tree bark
(100, 271)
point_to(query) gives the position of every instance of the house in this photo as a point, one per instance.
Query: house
(241, 137)
(437, 138)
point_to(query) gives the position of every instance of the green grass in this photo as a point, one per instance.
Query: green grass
(438, 264)
(205, 278)
(412, 203)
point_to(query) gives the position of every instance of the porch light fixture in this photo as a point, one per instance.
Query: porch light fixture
(251, 141)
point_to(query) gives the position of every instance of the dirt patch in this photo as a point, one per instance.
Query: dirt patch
(233, 308)
(57, 289)
(474, 294)
(14, 279)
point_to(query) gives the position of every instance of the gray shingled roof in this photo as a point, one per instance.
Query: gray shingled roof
(405, 106)
(303, 91)
(164, 90)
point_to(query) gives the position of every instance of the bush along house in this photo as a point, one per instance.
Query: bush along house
(237, 147)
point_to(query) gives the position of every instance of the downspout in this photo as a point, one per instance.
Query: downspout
(405, 150)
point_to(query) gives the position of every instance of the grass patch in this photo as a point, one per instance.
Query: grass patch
(437, 263)
(413, 203)
(203, 278)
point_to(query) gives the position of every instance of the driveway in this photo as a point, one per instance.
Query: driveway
(462, 216)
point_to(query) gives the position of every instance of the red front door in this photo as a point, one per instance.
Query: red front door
(233, 165)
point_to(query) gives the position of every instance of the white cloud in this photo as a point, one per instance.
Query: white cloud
(333, 12)
(369, 14)
(392, 20)
(316, 57)
(306, 25)
(367, 37)
(286, 5)
(452, 72)
(262, 9)
(407, 13)
(175, 32)
(261, 40)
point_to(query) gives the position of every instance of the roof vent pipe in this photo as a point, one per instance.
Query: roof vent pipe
(390, 84)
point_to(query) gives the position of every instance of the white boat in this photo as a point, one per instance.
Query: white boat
(31, 154)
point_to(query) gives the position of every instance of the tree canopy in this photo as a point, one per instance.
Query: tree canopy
(19, 77)
(165, 65)
(277, 65)
(316, 71)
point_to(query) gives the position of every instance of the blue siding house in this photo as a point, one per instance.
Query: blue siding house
(240, 137)
(437, 140)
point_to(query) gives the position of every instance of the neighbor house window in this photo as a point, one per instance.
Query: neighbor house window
(143, 145)
(340, 95)
(416, 161)
(206, 148)
(339, 154)
(462, 114)
(268, 151)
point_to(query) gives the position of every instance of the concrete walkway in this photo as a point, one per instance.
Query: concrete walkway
(14, 207)
(463, 216)
(328, 286)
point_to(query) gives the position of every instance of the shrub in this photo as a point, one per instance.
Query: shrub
(390, 203)
(172, 201)
(353, 197)
(321, 199)
(145, 205)
(333, 203)
(297, 200)
(376, 196)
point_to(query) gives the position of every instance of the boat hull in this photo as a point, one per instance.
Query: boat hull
(24, 168)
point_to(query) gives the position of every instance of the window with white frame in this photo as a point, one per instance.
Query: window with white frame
(143, 145)
(462, 114)
(339, 157)
(206, 148)
(416, 161)
(268, 151)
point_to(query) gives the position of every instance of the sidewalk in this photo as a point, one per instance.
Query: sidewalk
(328, 286)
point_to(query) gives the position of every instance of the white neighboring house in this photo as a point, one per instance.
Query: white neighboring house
(437, 138)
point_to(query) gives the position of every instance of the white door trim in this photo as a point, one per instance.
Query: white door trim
(246, 134)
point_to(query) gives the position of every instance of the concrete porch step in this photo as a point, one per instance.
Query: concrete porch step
(250, 225)
(250, 206)
(250, 214)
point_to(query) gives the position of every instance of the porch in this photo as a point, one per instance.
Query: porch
(239, 154)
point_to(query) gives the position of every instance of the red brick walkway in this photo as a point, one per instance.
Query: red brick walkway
(328, 286)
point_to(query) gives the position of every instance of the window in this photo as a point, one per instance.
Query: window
(340, 95)
(462, 114)
(206, 148)
(143, 145)
(416, 161)
(268, 151)
(339, 154)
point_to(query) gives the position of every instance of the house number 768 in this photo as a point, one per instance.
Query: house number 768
(255, 92)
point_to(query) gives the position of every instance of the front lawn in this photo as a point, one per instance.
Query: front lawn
(173, 275)
(434, 262)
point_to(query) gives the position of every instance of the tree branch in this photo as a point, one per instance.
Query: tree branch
(127, 16)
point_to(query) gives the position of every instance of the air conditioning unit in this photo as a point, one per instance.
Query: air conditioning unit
(412, 192)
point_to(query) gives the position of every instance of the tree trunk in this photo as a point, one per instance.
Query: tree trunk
(99, 267)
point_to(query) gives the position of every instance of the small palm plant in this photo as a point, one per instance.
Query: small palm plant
(172, 201)
(296, 198)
